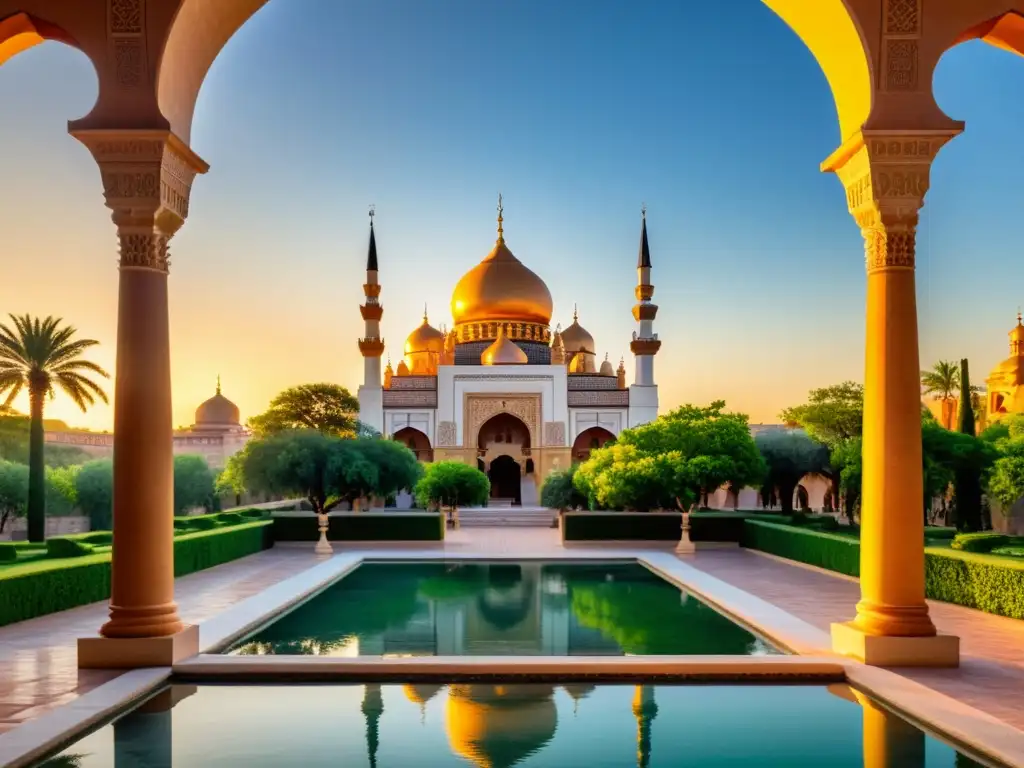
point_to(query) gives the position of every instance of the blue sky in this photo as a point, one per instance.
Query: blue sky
(715, 115)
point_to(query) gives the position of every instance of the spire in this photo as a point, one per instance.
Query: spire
(501, 232)
(575, 313)
(218, 383)
(644, 259)
(373, 708)
(371, 254)
(424, 313)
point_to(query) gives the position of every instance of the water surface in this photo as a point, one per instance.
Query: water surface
(526, 609)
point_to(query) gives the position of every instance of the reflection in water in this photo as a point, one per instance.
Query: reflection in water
(501, 726)
(528, 609)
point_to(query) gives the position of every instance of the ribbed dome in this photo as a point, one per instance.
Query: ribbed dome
(503, 351)
(218, 410)
(426, 338)
(576, 338)
(501, 288)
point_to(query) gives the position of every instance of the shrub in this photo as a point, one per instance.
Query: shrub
(939, 533)
(64, 547)
(986, 582)
(622, 526)
(94, 486)
(8, 552)
(1009, 551)
(201, 523)
(825, 523)
(364, 526)
(193, 482)
(979, 542)
(251, 513)
(229, 518)
(451, 483)
(558, 491)
(825, 550)
(205, 549)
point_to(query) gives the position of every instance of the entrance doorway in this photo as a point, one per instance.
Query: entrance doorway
(506, 480)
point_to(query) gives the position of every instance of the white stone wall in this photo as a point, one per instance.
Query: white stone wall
(643, 404)
(422, 419)
(582, 419)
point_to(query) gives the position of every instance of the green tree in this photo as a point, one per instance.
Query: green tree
(13, 491)
(61, 494)
(42, 356)
(193, 483)
(451, 483)
(327, 408)
(942, 381)
(558, 491)
(94, 487)
(230, 480)
(674, 461)
(789, 455)
(845, 460)
(397, 467)
(295, 463)
(967, 482)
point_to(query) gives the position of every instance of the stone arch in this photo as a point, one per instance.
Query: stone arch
(198, 33)
(588, 440)
(1004, 31)
(499, 428)
(416, 441)
(21, 31)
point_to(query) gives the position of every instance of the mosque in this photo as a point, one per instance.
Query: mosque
(501, 389)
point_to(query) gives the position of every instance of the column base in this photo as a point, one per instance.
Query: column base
(135, 652)
(888, 651)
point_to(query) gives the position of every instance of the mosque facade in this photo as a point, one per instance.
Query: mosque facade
(501, 389)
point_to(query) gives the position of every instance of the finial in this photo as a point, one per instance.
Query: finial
(501, 233)
(424, 312)
(575, 313)
(373, 212)
(1018, 315)
(643, 211)
(606, 357)
(218, 383)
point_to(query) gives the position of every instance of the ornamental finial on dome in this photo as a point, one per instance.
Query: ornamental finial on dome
(575, 313)
(218, 375)
(501, 232)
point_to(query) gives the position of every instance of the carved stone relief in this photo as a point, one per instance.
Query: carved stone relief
(554, 433)
(902, 34)
(480, 408)
(446, 434)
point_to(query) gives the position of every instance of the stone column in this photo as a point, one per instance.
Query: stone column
(147, 177)
(886, 177)
(889, 740)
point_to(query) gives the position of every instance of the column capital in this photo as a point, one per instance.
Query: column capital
(886, 175)
(147, 180)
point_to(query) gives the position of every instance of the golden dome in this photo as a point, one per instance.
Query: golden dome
(402, 369)
(501, 288)
(1017, 338)
(420, 694)
(497, 727)
(217, 411)
(576, 338)
(426, 338)
(503, 351)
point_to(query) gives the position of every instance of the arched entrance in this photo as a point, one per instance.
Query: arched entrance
(503, 445)
(506, 479)
(589, 440)
(415, 441)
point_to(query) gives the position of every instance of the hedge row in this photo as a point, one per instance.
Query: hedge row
(621, 526)
(987, 582)
(363, 526)
(726, 526)
(51, 586)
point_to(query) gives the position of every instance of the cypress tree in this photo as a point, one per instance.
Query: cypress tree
(967, 484)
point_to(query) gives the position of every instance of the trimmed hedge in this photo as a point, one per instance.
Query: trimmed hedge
(939, 533)
(363, 526)
(726, 526)
(49, 586)
(62, 547)
(980, 542)
(987, 582)
(8, 552)
(622, 526)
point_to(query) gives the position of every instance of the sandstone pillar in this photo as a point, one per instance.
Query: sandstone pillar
(886, 177)
(147, 176)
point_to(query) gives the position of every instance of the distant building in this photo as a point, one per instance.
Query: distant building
(216, 435)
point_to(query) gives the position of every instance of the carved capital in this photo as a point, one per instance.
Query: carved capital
(886, 176)
(147, 176)
(142, 249)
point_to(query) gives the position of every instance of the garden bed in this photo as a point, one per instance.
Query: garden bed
(362, 526)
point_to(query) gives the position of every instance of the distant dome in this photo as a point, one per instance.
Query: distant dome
(606, 367)
(576, 338)
(503, 351)
(426, 338)
(499, 726)
(218, 411)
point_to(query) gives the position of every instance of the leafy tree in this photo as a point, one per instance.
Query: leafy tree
(13, 491)
(295, 463)
(1006, 481)
(451, 483)
(673, 461)
(61, 494)
(397, 467)
(845, 460)
(94, 487)
(230, 479)
(42, 356)
(193, 483)
(942, 381)
(789, 456)
(327, 408)
(558, 491)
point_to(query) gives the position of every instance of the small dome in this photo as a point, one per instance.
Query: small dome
(498, 727)
(402, 369)
(218, 411)
(422, 693)
(1017, 334)
(426, 338)
(606, 367)
(501, 288)
(576, 338)
(503, 351)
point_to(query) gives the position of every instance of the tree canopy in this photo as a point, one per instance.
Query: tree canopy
(672, 461)
(327, 408)
(831, 414)
(94, 486)
(943, 380)
(789, 455)
(558, 491)
(193, 483)
(451, 483)
(1006, 483)
(13, 491)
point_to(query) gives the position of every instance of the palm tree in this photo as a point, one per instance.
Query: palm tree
(943, 380)
(37, 355)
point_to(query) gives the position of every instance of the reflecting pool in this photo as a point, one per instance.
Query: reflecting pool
(524, 609)
(500, 726)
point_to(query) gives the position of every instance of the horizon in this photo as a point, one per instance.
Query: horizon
(316, 110)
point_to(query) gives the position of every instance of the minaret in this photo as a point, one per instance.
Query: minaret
(373, 708)
(643, 395)
(645, 709)
(371, 345)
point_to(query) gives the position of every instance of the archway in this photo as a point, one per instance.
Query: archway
(506, 479)
(415, 441)
(589, 440)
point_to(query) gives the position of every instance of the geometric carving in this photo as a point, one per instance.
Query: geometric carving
(901, 65)
(446, 434)
(141, 250)
(903, 17)
(128, 57)
(479, 408)
(554, 433)
(889, 249)
(616, 398)
(126, 17)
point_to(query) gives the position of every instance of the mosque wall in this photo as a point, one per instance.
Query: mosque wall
(421, 419)
(613, 419)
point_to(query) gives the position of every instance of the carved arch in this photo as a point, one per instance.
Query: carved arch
(21, 31)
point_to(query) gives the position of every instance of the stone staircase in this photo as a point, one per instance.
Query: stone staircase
(506, 516)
